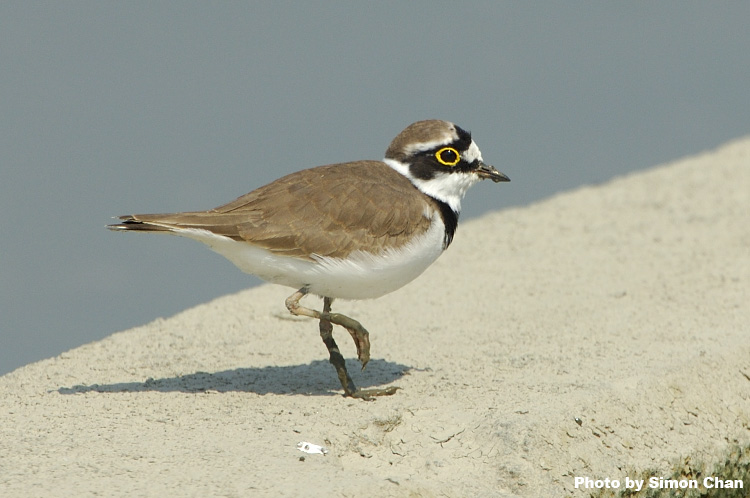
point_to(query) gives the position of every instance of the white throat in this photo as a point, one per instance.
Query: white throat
(447, 187)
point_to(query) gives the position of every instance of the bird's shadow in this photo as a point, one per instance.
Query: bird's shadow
(316, 378)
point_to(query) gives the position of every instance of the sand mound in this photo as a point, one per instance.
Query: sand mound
(603, 333)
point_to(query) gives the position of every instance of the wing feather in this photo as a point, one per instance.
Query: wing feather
(328, 211)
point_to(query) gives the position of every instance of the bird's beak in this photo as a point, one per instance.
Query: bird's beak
(487, 171)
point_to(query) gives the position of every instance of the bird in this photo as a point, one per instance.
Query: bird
(350, 231)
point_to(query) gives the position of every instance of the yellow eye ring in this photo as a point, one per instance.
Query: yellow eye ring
(448, 156)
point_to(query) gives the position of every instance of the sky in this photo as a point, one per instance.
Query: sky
(111, 108)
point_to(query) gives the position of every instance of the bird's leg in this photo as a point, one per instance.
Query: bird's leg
(361, 339)
(326, 333)
(335, 357)
(358, 333)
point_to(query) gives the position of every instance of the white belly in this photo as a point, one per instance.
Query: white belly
(362, 275)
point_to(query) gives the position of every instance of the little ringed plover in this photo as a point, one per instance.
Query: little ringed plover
(354, 230)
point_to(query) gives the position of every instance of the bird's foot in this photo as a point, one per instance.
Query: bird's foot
(360, 335)
(371, 394)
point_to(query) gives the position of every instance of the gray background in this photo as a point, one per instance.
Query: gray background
(113, 108)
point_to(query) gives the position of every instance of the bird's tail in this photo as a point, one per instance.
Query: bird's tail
(185, 224)
(144, 223)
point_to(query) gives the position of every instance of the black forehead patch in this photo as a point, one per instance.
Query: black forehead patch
(464, 139)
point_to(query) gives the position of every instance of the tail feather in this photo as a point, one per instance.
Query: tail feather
(225, 225)
(132, 222)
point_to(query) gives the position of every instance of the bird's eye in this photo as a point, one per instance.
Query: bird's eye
(448, 156)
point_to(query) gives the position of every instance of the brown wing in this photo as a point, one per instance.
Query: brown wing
(329, 210)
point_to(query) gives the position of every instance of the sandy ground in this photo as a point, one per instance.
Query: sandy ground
(603, 333)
